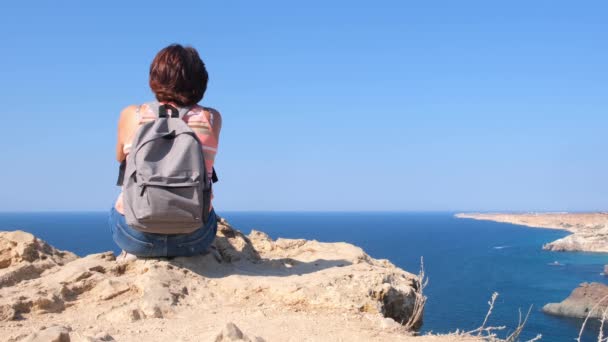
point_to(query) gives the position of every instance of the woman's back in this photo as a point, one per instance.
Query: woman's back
(204, 121)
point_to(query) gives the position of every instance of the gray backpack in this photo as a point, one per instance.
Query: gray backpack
(166, 188)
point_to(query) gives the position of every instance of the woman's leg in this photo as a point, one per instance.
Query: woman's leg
(133, 241)
(196, 242)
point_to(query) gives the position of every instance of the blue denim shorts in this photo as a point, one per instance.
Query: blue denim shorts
(144, 244)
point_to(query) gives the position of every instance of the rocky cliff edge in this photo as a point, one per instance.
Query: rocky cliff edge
(252, 289)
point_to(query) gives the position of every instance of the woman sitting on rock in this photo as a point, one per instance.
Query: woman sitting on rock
(167, 149)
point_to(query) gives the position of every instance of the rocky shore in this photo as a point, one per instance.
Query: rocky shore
(252, 288)
(589, 230)
(587, 299)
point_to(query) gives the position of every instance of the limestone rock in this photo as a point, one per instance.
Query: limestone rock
(24, 257)
(279, 287)
(234, 245)
(581, 302)
(591, 239)
(232, 333)
(55, 333)
(103, 336)
(99, 337)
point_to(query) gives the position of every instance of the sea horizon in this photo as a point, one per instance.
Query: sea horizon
(337, 211)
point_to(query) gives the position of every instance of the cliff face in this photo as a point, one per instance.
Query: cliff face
(276, 290)
(591, 239)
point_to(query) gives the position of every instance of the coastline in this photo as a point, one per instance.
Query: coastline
(589, 230)
(589, 234)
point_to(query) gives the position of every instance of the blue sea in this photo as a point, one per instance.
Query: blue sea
(465, 260)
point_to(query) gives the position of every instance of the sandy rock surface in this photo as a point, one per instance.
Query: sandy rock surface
(250, 289)
(589, 230)
(588, 297)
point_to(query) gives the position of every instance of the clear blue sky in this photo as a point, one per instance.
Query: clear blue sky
(327, 105)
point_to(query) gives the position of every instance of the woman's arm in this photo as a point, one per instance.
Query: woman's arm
(127, 124)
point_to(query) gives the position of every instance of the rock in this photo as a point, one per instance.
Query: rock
(48, 303)
(291, 280)
(124, 314)
(261, 240)
(594, 239)
(23, 272)
(606, 270)
(55, 333)
(103, 336)
(581, 302)
(7, 313)
(109, 288)
(99, 337)
(394, 304)
(232, 333)
(24, 257)
(234, 245)
(19, 246)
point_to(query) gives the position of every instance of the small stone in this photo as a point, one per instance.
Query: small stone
(104, 336)
(151, 310)
(108, 289)
(7, 313)
(46, 304)
(55, 333)
(230, 333)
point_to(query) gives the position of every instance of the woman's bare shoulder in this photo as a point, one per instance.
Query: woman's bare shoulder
(128, 112)
(211, 110)
(213, 115)
(127, 123)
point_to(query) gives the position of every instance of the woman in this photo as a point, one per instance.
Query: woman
(178, 78)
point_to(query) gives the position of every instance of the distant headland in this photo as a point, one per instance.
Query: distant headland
(589, 230)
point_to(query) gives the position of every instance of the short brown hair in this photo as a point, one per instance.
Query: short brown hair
(178, 75)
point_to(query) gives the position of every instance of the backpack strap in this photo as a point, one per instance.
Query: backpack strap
(123, 165)
(214, 178)
(121, 172)
(167, 110)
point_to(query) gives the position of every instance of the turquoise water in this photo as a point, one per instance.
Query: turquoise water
(465, 260)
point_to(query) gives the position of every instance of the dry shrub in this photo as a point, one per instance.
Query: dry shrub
(420, 302)
(600, 335)
(488, 333)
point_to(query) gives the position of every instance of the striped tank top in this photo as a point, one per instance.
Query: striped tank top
(200, 119)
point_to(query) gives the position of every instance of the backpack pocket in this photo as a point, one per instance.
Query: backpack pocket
(160, 202)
